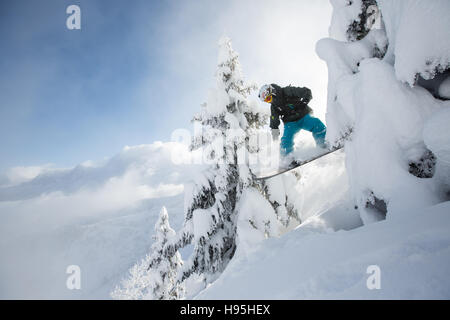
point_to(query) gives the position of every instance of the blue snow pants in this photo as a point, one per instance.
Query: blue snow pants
(308, 123)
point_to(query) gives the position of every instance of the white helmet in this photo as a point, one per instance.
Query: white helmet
(266, 92)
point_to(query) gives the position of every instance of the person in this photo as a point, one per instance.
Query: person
(290, 104)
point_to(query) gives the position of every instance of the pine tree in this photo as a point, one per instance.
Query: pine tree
(228, 122)
(228, 125)
(157, 283)
(276, 191)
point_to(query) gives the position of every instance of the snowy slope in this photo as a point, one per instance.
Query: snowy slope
(308, 263)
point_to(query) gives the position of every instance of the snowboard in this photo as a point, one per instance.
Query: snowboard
(299, 163)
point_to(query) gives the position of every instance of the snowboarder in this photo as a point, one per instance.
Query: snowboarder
(291, 105)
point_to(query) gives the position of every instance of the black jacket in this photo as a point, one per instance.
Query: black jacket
(289, 104)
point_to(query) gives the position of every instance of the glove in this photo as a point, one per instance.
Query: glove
(275, 134)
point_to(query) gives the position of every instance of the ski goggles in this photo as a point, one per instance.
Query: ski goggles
(268, 98)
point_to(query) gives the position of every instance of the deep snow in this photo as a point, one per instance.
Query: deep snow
(312, 262)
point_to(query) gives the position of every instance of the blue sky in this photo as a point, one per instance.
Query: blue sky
(137, 70)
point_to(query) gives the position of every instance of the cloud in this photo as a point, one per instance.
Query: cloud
(98, 216)
(21, 174)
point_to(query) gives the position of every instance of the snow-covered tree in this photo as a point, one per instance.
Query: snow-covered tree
(353, 19)
(157, 283)
(373, 93)
(227, 121)
(361, 26)
(280, 192)
(228, 124)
